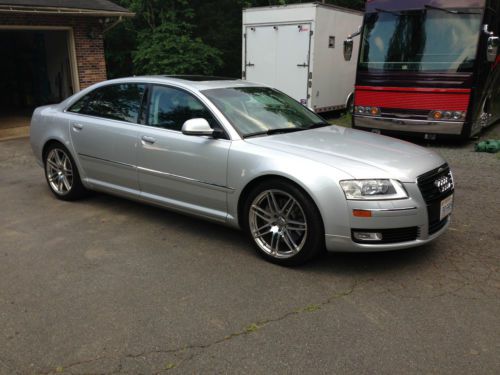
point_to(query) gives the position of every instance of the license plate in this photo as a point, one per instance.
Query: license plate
(446, 207)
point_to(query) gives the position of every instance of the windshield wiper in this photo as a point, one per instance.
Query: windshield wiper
(318, 125)
(448, 10)
(273, 131)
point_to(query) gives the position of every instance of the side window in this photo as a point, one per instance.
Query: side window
(169, 108)
(116, 102)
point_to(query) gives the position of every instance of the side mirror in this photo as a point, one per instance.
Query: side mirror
(197, 126)
(492, 50)
(348, 47)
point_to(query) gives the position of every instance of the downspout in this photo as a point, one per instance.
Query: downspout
(119, 20)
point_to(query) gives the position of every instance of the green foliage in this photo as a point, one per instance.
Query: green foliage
(183, 37)
(170, 48)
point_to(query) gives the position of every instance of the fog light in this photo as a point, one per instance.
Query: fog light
(367, 236)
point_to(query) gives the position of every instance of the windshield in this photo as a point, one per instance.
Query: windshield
(422, 40)
(253, 110)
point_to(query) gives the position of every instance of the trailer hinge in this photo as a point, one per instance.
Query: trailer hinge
(311, 33)
(310, 75)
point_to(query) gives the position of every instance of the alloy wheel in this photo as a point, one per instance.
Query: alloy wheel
(59, 171)
(278, 224)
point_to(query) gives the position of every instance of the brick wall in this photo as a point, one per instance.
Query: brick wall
(88, 36)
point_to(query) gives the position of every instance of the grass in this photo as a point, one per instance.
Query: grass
(342, 119)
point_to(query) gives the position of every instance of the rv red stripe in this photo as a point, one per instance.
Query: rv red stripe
(413, 98)
(414, 89)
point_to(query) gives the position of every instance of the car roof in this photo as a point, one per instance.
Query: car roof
(193, 82)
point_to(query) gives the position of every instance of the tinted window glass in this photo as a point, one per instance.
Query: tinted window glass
(116, 102)
(170, 108)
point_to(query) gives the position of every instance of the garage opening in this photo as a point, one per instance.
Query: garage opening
(35, 70)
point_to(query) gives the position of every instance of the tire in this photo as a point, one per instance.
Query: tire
(62, 174)
(350, 105)
(283, 223)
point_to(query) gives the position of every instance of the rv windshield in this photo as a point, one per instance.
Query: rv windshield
(439, 40)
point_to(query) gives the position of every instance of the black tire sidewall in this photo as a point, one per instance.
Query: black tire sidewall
(315, 241)
(77, 190)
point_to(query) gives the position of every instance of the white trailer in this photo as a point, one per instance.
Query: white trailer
(299, 49)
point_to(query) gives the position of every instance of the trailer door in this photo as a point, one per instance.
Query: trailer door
(278, 56)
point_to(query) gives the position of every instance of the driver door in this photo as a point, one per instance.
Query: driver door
(183, 172)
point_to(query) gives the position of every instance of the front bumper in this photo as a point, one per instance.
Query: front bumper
(386, 216)
(337, 243)
(408, 125)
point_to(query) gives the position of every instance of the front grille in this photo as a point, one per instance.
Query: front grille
(428, 188)
(394, 235)
(435, 186)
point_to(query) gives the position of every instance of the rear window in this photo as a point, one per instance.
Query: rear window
(116, 102)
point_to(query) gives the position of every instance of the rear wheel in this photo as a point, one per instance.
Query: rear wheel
(283, 223)
(61, 174)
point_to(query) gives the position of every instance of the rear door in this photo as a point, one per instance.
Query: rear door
(279, 56)
(103, 126)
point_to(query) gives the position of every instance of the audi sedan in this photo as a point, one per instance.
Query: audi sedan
(247, 156)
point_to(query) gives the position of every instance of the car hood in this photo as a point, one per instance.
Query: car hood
(357, 153)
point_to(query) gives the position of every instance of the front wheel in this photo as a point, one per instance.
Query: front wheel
(62, 175)
(283, 223)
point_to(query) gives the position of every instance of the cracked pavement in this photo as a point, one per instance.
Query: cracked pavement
(106, 286)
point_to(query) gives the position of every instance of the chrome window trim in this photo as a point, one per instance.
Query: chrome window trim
(219, 116)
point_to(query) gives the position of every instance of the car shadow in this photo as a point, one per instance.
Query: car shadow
(328, 262)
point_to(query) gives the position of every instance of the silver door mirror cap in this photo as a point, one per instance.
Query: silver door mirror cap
(197, 126)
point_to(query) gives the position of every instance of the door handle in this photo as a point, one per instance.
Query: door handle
(77, 126)
(304, 65)
(147, 139)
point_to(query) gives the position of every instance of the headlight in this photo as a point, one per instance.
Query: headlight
(373, 189)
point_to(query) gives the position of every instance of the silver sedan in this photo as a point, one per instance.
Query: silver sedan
(247, 156)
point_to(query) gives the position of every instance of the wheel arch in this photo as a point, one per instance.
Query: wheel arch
(48, 143)
(251, 185)
(54, 140)
(349, 98)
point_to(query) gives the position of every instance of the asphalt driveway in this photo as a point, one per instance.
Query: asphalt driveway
(107, 285)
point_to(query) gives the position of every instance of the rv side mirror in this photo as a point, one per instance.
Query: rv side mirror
(348, 47)
(492, 51)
